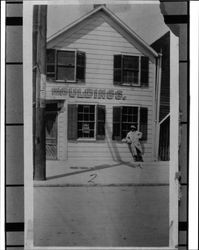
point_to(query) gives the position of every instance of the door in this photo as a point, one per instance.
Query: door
(51, 135)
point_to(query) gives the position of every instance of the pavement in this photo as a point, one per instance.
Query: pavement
(101, 216)
(114, 204)
(66, 173)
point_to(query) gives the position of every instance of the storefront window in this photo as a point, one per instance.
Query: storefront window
(86, 121)
(125, 116)
(129, 117)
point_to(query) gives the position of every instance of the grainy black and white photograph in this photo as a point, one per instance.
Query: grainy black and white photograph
(104, 126)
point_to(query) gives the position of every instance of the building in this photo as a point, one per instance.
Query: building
(101, 78)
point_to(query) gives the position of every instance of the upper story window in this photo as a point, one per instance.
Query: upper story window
(131, 70)
(65, 65)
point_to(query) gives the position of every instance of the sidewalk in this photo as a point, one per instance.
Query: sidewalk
(65, 173)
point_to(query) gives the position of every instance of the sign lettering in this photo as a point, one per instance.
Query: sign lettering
(89, 93)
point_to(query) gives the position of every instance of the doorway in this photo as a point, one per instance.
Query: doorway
(51, 131)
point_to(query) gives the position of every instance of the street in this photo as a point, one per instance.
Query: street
(102, 215)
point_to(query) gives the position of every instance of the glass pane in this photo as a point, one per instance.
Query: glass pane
(66, 58)
(92, 117)
(80, 108)
(64, 73)
(91, 125)
(86, 109)
(130, 77)
(80, 117)
(92, 109)
(131, 62)
(86, 117)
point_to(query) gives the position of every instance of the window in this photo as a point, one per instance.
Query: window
(86, 121)
(63, 65)
(131, 70)
(125, 116)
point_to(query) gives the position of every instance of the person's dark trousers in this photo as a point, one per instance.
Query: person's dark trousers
(138, 157)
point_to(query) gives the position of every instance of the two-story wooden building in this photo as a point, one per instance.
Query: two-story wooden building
(101, 78)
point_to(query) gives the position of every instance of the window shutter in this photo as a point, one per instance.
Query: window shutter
(50, 64)
(81, 66)
(72, 121)
(101, 118)
(117, 112)
(144, 71)
(117, 75)
(143, 122)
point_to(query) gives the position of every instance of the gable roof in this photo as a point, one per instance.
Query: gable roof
(127, 31)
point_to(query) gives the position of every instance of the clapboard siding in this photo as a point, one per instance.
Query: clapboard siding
(100, 41)
(106, 149)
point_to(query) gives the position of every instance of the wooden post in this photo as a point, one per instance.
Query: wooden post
(39, 80)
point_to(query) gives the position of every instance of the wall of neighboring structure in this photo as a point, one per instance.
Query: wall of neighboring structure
(101, 42)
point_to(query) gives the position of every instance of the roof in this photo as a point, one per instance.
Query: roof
(128, 31)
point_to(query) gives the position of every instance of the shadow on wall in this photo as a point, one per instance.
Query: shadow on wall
(113, 148)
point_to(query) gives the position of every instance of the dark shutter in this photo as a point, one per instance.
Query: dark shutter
(117, 75)
(81, 66)
(101, 118)
(72, 121)
(117, 112)
(144, 71)
(143, 122)
(50, 64)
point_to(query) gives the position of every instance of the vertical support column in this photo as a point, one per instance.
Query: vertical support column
(40, 23)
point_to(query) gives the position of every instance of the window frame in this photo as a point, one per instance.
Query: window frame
(56, 64)
(138, 117)
(123, 83)
(95, 124)
(126, 84)
(138, 120)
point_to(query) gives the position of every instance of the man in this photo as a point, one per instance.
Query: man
(133, 142)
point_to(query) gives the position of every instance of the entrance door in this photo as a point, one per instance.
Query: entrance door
(51, 135)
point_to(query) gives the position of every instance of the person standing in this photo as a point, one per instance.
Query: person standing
(132, 139)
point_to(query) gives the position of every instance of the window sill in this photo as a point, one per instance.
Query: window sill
(129, 85)
(86, 140)
(62, 81)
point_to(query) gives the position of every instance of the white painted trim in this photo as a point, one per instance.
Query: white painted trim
(154, 111)
(174, 140)
(158, 89)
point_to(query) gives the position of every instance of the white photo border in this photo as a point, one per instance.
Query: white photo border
(28, 131)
